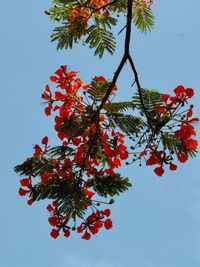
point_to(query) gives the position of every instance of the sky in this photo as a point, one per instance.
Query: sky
(157, 222)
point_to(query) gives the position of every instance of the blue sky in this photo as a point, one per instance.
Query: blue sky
(156, 223)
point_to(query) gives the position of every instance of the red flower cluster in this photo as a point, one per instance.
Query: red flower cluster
(94, 222)
(160, 158)
(93, 148)
(185, 134)
(58, 221)
(182, 136)
(97, 140)
(26, 182)
(86, 12)
(181, 96)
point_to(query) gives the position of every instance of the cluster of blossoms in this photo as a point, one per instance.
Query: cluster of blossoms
(92, 149)
(91, 225)
(87, 11)
(89, 134)
(177, 128)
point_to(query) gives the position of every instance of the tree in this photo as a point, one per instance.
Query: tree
(92, 128)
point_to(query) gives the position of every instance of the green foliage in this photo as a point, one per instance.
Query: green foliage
(127, 123)
(34, 166)
(97, 90)
(143, 17)
(59, 151)
(109, 185)
(105, 21)
(69, 196)
(100, 39)
(67, 38)
(97, 34)
(118, 107)
(119, 6)
(74, 126)
(151, 99)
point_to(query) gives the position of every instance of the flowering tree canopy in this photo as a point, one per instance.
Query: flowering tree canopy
(80, 175)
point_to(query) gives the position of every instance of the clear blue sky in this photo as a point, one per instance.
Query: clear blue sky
(157, 223)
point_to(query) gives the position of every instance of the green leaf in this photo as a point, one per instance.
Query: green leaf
(97, 90)
(34, 166)
(151, 99)
(109, 185)
(143, 17)
(75, 126)
(59, 150)
(105, 21)
(116, 107)
(70, 197)
(101, 40)
(119, 6)
(127, 123)
(68, 34)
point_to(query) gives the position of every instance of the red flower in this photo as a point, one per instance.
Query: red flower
(189, 92)
(93, 229)
(48, 109)
(53, 221)
(45, 140)
(67, 233)
(159, 171)
(172, 167)
(54, 233)
(23, 192)
(100, 79)
(98, 224)
(179, 90)
(190, 112)
(25, 182)
(30, 201)
(47, 93)
(50, 208)
(153, 160)
(79, 229)
(115, 163)
(38, 150)
(86, 236)
(124, 155)
(165, 97)
(182, 157)
(88, 193)
(106, 212)
(108, 224)
(191, 144)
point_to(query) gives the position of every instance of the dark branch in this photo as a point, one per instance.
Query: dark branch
(126, 56)
(139, 89)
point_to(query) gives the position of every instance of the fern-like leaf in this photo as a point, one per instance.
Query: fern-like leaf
(34, 167)
(109, 185)
(127, 123)
(101, 40)
(69, 196)
(118, 107)
(151, 99)
(68, 34)
(143, 17)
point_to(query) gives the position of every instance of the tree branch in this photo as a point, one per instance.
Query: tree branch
(126, 56)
